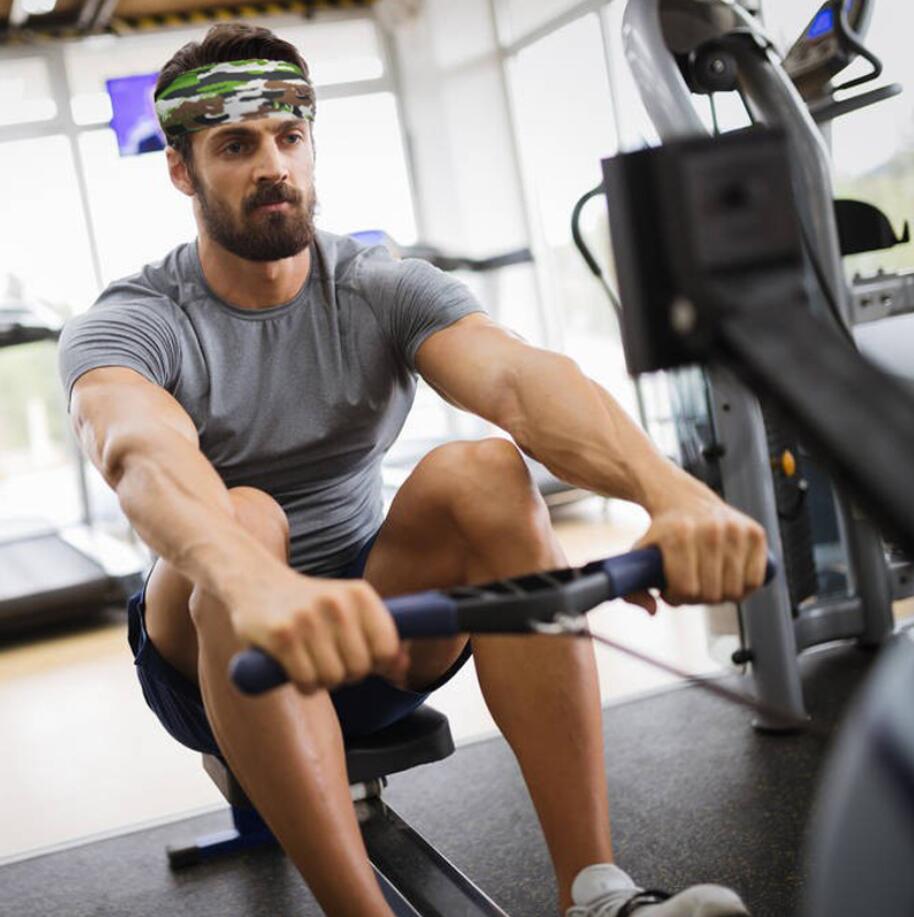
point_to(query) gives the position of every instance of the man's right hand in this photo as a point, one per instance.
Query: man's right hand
(323, 632)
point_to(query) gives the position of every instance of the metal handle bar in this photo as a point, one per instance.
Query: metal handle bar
(502, 607)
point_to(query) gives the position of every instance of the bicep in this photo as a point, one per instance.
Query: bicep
(113, 407)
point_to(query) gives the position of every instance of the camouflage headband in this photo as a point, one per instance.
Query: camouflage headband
(227, 93)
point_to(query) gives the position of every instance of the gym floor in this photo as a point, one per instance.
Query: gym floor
(85, 757)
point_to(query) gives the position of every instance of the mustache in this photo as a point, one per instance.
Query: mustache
(272, 194)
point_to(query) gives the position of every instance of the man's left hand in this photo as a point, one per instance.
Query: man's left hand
(711, 552)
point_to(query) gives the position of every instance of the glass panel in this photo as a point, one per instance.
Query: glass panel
(25, 91)
(44, 249)
(137, 214)
(45, 271)
(565, 126)
(362, 180)
(37, 477)
(785, 21)
(91, 108)
(517, 18)
(336, 52)
(460, 32)
(874, 148)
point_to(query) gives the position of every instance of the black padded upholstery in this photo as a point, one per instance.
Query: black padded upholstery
(420, 738)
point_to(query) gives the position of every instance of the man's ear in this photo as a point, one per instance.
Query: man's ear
(179, 172)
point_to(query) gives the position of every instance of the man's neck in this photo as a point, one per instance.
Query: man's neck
(252, 284)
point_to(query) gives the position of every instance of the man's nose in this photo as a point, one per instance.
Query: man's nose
(270, 164)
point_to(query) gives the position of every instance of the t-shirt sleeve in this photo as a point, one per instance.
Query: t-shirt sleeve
(412, 299)
(128, 326)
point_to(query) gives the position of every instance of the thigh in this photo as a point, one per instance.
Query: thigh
(419, 547)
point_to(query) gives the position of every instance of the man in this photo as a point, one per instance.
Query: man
(239, 396)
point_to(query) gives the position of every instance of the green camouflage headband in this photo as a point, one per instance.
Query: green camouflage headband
(227, 93)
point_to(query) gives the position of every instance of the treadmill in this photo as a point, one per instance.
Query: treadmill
(50, 574)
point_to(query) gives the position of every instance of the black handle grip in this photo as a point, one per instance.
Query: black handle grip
(439, 614)
(640, 570)
(424, 614)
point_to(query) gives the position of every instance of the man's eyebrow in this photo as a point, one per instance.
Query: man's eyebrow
(289, 124)
(239, 130)
(235, 130)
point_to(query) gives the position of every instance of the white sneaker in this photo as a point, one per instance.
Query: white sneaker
(604, 890)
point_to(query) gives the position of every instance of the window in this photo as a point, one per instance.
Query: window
(361, 179)
(565, 127)
(137, 214)
(785, 21)
(25, 91)
(45, 247)
(517, 18)
(874, 148)
(44, 260)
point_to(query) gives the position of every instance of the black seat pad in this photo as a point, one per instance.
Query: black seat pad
(420, 738)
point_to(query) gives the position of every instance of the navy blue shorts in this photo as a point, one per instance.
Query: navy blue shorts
(362, 708)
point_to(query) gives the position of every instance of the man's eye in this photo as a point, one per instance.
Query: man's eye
(233, 148)
(295, 135)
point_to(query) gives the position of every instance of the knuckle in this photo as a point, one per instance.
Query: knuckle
(306, 684)
(713, 535)
(282, 635)
(332, 674)
(359, 670)
(385, 652)
(334, 611)
(362, 590)
(714, 593)
(306, 624)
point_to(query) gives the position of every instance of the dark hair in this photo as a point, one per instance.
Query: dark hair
(226, 41)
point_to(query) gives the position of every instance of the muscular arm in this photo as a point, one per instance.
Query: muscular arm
(578, 431)
(553, 411)
(145, 445)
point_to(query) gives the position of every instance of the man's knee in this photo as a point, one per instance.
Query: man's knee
(262, 517)
(487, 482)
(484, 461)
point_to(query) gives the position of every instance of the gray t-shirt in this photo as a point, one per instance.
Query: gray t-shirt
(300, 400)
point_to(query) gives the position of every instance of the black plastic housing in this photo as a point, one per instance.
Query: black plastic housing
(689, 220)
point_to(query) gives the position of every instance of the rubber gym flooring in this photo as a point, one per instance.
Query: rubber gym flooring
(697, 795)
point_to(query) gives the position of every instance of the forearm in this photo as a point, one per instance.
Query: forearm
(180, 507)
(582, 435)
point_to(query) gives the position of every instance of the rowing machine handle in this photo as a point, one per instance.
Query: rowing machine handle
(437, 614)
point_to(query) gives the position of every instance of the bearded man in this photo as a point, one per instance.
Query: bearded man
(239, 397)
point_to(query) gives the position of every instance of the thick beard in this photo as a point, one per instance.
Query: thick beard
(272, 236)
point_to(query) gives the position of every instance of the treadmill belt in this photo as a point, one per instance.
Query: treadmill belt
(42, 564)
